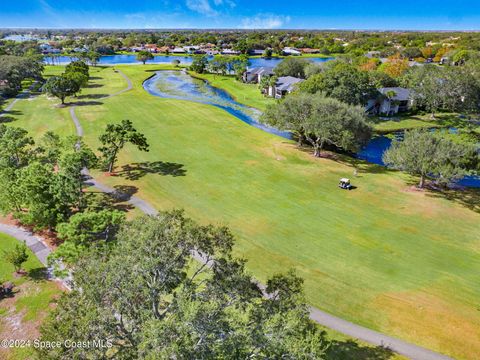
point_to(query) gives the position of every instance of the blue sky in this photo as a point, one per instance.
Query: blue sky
(301, 14)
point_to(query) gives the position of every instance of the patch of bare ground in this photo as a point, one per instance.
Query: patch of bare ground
(13, 325)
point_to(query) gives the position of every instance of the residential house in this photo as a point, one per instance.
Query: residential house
(163, 49)
(192, 49)
(310, 51)
(212, 52)
(83, 49)
(284, 86)
(48, 49)
(151, 47)
(178, 50)
(291, 51)
(256, 52)
(391, 101)
(255, 75)
(230, 52)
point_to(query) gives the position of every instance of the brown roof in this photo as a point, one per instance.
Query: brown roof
(309, 51)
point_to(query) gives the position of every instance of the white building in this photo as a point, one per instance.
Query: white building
(391, 101)
(291, 51)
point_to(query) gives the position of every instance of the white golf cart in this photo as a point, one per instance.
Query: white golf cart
(345, 184)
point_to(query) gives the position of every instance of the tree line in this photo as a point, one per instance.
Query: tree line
(15, 69)
(414, 45)
(219, 64)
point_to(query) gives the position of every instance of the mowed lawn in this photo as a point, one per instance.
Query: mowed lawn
(406, 122)
(21, 315)
(247, 94)
(396, 260)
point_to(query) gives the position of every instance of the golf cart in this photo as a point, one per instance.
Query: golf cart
(345, 184)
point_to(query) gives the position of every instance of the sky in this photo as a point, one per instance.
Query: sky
(243, 14)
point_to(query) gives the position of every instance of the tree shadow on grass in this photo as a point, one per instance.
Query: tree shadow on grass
(4, 118)
(92, 96)
(350, 350)
(38, 274)
(463, 196)
(94, 86)
(361, 165)
(124, 192)
(8, 116)
(467, 197)
(348, 159)
(108, 201)
(84, 103)
(136, 171)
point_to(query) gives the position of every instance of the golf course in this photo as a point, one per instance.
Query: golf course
(384, 255)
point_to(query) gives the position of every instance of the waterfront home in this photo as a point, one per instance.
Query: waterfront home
(284, 86)
(291, 51)
(163, 49)
(256, 52)
(309, 51)
(49, 49)
(151, 47)
(391, 101)
(192, 49)
(178, 50)
(255, 75)
(230, 52)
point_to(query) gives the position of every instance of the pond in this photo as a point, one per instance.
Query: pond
(180, 85)
(164, 59)
(376, 147)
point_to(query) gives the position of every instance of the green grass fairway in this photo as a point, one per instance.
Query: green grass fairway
(403, 262)
(30, 304)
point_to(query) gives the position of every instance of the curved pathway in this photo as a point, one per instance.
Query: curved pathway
(323, 318)
(24, 94)
(35, 243)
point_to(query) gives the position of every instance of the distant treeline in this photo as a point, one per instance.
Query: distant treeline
(326, 42)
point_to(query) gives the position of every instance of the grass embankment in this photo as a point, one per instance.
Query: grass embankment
(247, 94)
(21, 315)
(415, 121)
(399, 261)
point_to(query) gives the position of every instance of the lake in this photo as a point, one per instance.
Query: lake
(166, 59)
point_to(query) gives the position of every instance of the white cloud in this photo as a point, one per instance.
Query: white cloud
(204, 7)
(264, 21)
(201, 6)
